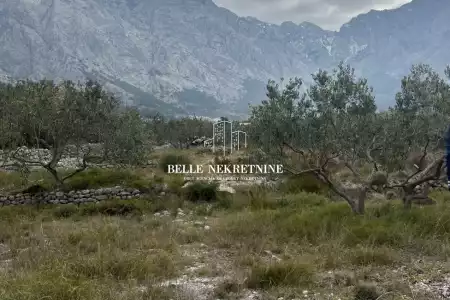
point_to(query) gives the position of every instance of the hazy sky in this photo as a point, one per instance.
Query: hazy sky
(328, 14)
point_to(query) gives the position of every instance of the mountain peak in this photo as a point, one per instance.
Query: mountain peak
(193, 57)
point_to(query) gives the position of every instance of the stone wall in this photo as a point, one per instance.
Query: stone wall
(71, 158)
(76, 197)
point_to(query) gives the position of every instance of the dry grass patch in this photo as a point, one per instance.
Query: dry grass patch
(286, 273)
(95, 258)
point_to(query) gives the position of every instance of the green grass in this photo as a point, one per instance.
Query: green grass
(173, 159)
(63, 256)
(97, 178)
(88, 179)
(287, 273)
(279, 243)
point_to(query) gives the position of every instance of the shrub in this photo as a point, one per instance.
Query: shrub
(142, 185)
(120, 266)
(364, 256)
(366, 291)
(259, 199)
(221, 160)
(35, 189)
(201, 191)
(173, 159)
(287, 273)
(227, 287)
(255, 157)
(304, 183)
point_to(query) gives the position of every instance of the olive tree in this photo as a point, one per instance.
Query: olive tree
(66, 118)
(337, 119)
(334, 119)
(181, 132)
(417, 124)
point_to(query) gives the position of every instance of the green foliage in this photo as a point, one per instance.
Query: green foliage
(337, 118)
(65, 117)
(304, 183)
(313, 220)
(97, 178)
(130, 142)
(173, 159)
(201, 191)
(179, 132)
(420, 117)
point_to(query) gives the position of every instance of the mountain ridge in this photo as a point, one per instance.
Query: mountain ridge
(194, 57)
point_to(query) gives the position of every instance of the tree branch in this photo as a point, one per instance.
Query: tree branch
(420, 162)
(293, 149)
(369, 155)
(321, 175)
(81, 169)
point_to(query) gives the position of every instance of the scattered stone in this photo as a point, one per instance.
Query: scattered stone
(224, 188)
(439, 288)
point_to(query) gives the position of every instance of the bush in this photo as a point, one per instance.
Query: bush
(260, 199)
(287, 273)
(201, 191)
(35, 189)
(227, 287)
(142, 185)
(366, 291)
(173, 159)
(221, 160)
(255, 157)
(304, 183)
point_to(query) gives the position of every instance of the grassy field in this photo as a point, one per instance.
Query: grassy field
(249, 245)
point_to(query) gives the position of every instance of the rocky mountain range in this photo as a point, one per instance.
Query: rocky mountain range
(193, 57)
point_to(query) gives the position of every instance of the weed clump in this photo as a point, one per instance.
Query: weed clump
(366, 291)
(173, 159)
(287, 273)
(112, 208)
(222, 160)
(304, 183)
(201, 191)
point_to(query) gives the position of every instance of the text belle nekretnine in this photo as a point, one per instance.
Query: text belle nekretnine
(225, 169)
